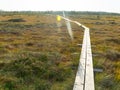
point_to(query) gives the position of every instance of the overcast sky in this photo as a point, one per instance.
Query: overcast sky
(77, 5)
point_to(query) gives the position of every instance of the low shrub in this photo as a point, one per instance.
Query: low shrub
(16, 20)
(107, 82)
(43, 85)
(8, 82)
(114, 40)
(112, 55)
(32, 68)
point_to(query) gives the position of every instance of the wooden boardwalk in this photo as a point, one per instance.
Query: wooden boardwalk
(85, 77)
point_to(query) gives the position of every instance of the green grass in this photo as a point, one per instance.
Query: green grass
(38, 70)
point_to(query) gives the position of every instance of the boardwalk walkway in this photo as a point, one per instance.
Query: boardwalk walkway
(84, 78)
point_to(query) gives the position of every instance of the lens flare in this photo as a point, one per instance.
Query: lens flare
(58, 18)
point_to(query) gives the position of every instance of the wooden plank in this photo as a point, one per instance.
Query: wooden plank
(89, 79)
(79, 81)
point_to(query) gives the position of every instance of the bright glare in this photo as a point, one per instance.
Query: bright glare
(58, 18)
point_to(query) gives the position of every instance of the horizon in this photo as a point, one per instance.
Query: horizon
(60, 11)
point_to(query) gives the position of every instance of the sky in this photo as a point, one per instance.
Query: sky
(59, 5)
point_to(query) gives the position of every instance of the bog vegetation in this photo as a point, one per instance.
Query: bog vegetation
(36, 52)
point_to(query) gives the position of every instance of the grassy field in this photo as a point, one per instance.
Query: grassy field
(36, 52)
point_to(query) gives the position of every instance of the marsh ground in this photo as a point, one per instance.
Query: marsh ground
(36, 52)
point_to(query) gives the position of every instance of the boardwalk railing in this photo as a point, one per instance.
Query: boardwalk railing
(84, 78)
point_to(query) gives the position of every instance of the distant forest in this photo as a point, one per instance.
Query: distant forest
(57, 12)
